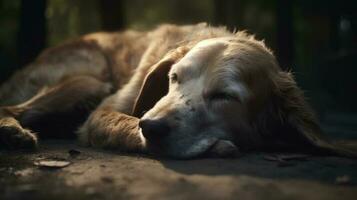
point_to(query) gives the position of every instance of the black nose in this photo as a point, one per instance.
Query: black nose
(154, 129)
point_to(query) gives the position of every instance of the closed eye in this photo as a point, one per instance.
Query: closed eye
(222, 96)
(174, 78)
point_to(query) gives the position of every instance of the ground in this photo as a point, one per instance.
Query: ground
(98, 174)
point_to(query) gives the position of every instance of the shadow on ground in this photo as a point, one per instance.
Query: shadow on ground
(96, 174)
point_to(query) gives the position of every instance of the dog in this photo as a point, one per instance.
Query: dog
(177, 91)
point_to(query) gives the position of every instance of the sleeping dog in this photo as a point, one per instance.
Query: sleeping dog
(178, 91)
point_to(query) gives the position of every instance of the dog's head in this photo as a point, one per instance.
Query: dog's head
(221, 89)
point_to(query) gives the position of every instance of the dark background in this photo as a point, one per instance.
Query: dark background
(314, 38)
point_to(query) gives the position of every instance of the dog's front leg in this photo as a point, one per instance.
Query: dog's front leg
(66, 96)
(14, 136)
(107, 128)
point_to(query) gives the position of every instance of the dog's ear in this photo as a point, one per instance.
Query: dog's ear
(155, 86)
(299, 120)
(156, 83)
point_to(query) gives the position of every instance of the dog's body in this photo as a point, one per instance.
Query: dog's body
(225, 92)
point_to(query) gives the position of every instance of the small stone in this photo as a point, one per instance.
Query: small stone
(300, 157)
(10, 170)
(107, 179)
(24, 172)
(74, 152)
(182, 179)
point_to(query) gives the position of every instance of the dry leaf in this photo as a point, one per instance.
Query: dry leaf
(55, 164)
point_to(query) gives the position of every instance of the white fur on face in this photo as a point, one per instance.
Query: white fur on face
(194, 126)
(199, 58)
(192, 71)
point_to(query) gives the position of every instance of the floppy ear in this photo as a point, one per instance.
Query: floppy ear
(156, 83)
(295, 114)
(155, 86)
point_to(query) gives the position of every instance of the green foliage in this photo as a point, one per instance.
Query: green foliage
(9, 13)
(141, 14)
(69, 19)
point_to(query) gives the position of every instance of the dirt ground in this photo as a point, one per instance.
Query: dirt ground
(97, 174)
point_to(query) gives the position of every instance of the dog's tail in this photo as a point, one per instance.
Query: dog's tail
(344, 148)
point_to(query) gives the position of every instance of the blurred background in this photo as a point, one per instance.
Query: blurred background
(314, 38)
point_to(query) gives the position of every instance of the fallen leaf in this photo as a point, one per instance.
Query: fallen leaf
(54, 164)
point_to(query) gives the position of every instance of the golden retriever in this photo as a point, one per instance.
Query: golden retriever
(179, 91)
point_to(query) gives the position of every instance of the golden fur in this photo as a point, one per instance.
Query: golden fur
(231, 94)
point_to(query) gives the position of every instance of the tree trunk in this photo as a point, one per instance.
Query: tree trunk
(228, 13)
(112, 15)
(32, 31)
(285, 48)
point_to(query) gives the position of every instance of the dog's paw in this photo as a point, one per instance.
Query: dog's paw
(224, 149)
(13, 136)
